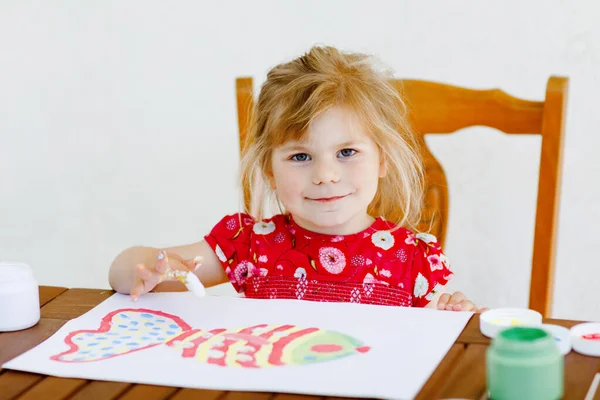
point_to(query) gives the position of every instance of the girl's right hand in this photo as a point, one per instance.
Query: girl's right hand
(146, 278)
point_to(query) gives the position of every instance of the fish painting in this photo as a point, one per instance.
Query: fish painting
(126, 331)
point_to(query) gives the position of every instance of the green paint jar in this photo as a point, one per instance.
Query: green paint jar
(524, 363)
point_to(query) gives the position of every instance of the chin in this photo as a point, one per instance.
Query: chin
(331, 220)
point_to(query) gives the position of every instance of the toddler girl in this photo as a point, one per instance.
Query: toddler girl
(330, 145)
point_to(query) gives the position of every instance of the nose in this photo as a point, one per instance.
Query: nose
(325, 171)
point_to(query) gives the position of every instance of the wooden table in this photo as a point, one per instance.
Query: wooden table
(461, 374)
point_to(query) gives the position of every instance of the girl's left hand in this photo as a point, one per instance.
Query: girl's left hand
(457, 302)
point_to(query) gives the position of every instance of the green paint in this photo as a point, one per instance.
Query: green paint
(301, 352)
(524, 363)
(523, 334)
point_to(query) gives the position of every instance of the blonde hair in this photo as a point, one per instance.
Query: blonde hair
(295, 93)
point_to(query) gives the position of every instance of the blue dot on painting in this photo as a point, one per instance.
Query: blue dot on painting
(134, 322)
(89, 334)
(79, 359)
(106, 348)
(102, 338)
(108, 355)
(93, 344)
(173, 326)
(133, 329)
(123, 315)
(125, 337)
(112, 333)
(84, 352)
(145, 338)
(310, 358)
(79, 338)
(160, 338)
(145, 315)
(170, 333)
(132, 344)
(157, 328)
(116, 342)
(153, 333)
(160, 320)
(149, 324)
(123, 326)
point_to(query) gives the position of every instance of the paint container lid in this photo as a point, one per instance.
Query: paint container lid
(493, 321)
(562, 337)
(585, 338)
(11, 272)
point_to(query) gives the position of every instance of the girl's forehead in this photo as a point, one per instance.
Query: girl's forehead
(341, 119)
(333, 126)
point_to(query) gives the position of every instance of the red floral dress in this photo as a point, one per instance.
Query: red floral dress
(277, 259)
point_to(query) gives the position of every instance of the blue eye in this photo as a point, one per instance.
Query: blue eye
(347, 153)
(300, 157)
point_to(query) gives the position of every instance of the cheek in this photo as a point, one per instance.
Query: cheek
(367, 172)
(287, 185)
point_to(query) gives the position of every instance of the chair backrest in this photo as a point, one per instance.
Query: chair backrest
(441, 109)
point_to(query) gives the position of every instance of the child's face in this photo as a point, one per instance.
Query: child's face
(327, 181)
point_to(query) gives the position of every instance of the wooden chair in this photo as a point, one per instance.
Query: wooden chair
(439, 108)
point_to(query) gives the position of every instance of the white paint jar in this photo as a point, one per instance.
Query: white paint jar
(19, 297)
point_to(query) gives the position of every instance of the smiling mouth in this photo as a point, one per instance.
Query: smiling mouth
(327, 199)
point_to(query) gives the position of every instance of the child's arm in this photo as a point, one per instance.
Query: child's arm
(137, 270)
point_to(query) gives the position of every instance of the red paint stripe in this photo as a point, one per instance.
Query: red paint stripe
(250, 329)
(217, 361)
(183, 336)
(326, 348)
(248, 364)
(191, 351)
(251, 339)
(278, 329)
(278, 346)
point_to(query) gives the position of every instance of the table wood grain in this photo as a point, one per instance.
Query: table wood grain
(461, 374)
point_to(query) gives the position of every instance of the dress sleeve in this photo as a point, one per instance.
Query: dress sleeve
(430, 268)
(230, 239)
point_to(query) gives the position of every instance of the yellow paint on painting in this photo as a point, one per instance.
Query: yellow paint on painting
(262, 355)
(232, 353)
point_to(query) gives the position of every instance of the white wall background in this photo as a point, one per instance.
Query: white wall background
(118, 125)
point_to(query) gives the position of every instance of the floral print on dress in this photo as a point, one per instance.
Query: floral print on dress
(231, 224)
(383, 240)
(276, 258)
(263, 228)
(220, 254)
(243, 271)
(332, 259)
(410, 238)
(426, 237)
(300, 273)
(437, 288)
(435, 261)
(421, 285)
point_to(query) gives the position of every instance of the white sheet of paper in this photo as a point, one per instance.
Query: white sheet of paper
(406, 345)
